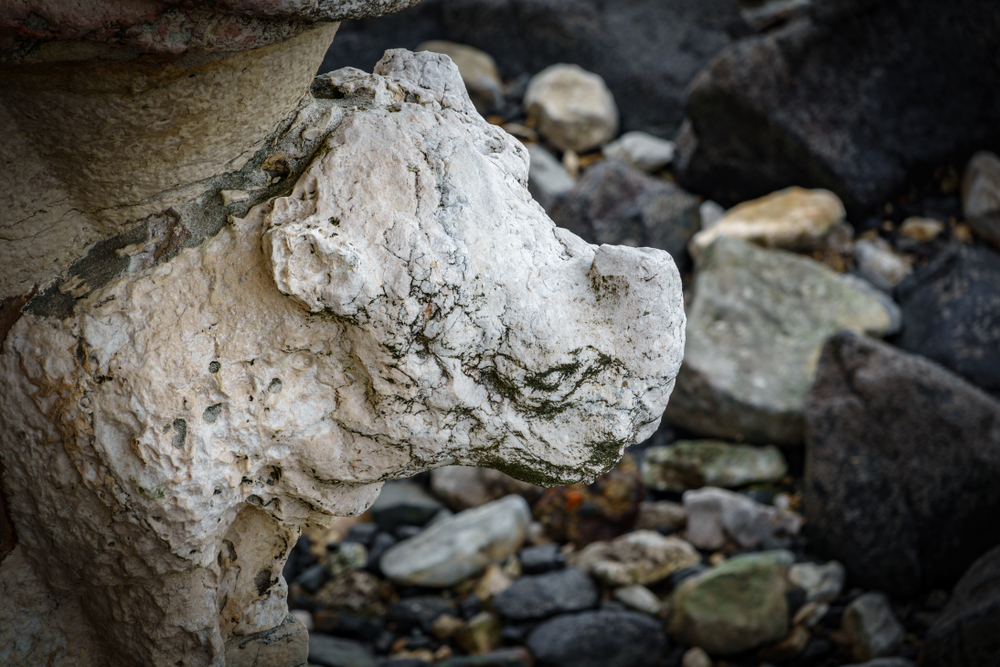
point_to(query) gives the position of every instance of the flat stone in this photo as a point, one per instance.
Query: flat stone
(641, 150)
(820, 583)
(464, 487)
(460, 546)
(618, 204)
(547, 177)
(639, 557)
(981, 195)
(692, 464)
(598, 639)
(951, 313)
(899, 527)
(659, 515)
(734, 607)
(791, 219)
(716, 515)
(404, 502)
(966, 631)
(540, 596)
(756, 323)
(571, 107)
(872, 628)
(478, 69)
(419, 612)
(505, 657)
(639, 598)
(329, 651)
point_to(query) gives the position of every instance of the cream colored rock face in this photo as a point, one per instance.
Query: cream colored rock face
(406, 306)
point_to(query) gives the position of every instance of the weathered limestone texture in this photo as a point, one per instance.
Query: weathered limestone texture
(366, 292)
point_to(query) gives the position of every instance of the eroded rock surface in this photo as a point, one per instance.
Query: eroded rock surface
(405, 304)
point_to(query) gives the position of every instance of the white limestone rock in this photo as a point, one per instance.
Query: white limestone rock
(407, 305)
(716, 515)
(641, 150)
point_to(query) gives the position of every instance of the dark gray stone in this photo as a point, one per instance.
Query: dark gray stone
(598, 639)
(418, 612)
(902, 463)
(543, 595)
(646, 50)
(404, 502)
(856, 101)
(542, 558)
(620, 205)
(335, 652)
(968, 631)
(313, 577)
(951, 313)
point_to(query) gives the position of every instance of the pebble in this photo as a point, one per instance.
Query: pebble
(887, 662)
(460, 546)
(480, 634)
(542, 558)
(641, 150)
(879, 264)
(346, 557)
(692, 464)
(598, 639)
(547, 179)
(492, 582)
(713, 515)
(355, 592)
(478, 69)
(539, 596)
(711, 212)
(788, 648)
(572, 108)
(821, 583)
(810, 614)
(664, 516)
(734, 607)
(418, 612)
(313, 577)
(638, 598)
(505, 657)
(756, 323)
(981, 195)
(695, 657)
(329, 651)
(404, 502)
(872, 628)
(923, 230)
(791, 219)
(639, 557)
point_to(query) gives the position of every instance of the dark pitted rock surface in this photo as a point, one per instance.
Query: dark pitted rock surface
(543, 595)
(821, 104)
(951, 313)
(598, 639)
(968, 631)
(902, 462)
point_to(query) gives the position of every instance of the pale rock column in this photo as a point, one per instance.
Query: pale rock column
(236, 300)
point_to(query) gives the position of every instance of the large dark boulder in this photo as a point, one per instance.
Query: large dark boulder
(857, 100)
(617, 204)
(646, 50)
(968, 630)
(902, 463)
(951, 314)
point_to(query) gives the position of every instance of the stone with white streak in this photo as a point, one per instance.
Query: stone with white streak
(405, 304)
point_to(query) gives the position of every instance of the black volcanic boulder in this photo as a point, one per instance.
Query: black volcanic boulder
(617, 204)
(951, 314)
(968, 630)
(902, 463)
(857, 100)
(646, 50)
